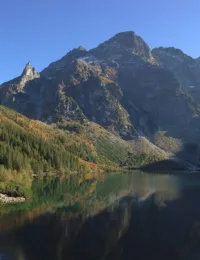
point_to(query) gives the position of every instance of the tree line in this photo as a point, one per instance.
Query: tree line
(21, 150)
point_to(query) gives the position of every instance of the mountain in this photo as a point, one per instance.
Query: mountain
(35, 147)
(86, 142)
(185, 68)
(29, 147)
(133, 92)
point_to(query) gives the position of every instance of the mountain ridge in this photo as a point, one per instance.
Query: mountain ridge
(122, 85)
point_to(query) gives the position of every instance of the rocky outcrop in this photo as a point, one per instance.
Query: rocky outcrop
(7, 200)
(185, 68)
(126, 48)
(29, 73)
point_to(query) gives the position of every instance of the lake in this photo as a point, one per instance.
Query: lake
(133, 215)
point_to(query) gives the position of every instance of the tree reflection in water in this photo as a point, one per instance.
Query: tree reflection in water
(131, 216)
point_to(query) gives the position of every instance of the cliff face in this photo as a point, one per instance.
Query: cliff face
(185, 68)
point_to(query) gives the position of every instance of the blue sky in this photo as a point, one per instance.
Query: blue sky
(41, 31)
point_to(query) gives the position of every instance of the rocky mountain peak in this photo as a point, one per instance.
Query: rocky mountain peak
(171, 50)
(127, 39)
(173, 53)
(65, 61)
(27, 68)
(126, 44)
(77, 52)
(121, 84)
(29, 73)
(132, 42)
(80, 48)
(184, 67)
(198, 60)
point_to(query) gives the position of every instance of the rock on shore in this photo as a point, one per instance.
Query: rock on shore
(6, 199)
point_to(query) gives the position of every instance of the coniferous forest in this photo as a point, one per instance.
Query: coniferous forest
(29, 147)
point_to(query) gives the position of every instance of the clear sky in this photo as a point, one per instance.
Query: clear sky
(41, 31)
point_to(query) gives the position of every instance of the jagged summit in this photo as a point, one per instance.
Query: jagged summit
(170, 51)
(64, 62)
(124, 46)
(29, 73)
(77, 52)
(127, 38)
(198, 60)
(28, 69)
(80, 48)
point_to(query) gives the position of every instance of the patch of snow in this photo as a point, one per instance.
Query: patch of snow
(191, 86)
(89, 59)
(51, 78)
(61, 68)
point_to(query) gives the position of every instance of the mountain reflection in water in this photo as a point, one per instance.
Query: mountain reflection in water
(124, 216)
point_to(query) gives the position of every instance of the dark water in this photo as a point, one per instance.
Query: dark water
(123, 216)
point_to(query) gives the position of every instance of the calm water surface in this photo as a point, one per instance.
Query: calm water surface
(122, 216)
